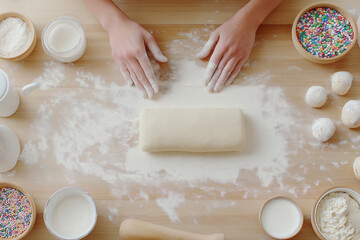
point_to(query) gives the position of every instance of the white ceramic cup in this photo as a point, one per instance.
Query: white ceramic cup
(70, 213)
(9, 149)
(9, 97)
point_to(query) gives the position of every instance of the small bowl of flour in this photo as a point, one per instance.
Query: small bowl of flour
(336, 215)
(17, 36)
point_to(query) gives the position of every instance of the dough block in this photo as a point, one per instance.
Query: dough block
(192, 130)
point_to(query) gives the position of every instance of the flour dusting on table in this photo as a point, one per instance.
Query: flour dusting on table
(170, 203)
(53, 75)
(93, 131)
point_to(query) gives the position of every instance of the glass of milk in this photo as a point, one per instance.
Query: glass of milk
(64, 39)
(281, 218)
(70, 213)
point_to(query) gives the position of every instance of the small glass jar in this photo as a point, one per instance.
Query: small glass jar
(64, 39)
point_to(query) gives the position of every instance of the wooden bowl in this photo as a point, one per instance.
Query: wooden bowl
(31, 45)
(33, 209)
(314, 219)
(287, 198)
(311, 57)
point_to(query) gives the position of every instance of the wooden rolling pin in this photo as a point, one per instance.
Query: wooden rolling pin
(131, 229)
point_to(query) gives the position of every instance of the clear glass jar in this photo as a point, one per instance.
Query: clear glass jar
(64, 39)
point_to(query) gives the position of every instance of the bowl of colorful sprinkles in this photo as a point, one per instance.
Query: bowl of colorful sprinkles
(17, 212)
(324, 32)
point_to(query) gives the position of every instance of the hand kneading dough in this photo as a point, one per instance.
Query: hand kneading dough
(192, 130)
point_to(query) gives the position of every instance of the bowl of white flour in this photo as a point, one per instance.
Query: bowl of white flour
(17, 36)
(336, 215)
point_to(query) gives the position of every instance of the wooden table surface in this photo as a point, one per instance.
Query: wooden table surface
(166, 19)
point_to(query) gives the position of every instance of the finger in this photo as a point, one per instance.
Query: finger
(136, 81)
(225, 74)
(208, 47)
(235, 72)
(155, 50)
(212, 65)
(215, 77)
(125, 73)
(149, 72)
(135, 66)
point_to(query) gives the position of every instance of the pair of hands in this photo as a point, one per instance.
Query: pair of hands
(229, 46)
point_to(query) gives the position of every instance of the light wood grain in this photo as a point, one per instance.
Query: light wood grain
(274, 54)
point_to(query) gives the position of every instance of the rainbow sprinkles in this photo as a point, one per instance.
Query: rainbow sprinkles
(324, 32)
(15, 213)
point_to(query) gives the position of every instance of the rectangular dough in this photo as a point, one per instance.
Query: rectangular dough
(192, 130)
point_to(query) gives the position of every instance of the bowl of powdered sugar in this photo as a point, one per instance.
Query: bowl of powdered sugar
(17, 36)
(336, 215)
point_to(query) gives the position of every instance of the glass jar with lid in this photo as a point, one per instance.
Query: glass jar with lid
(64, 39)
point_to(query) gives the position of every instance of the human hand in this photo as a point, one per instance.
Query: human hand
(128, 42)
(230, 45)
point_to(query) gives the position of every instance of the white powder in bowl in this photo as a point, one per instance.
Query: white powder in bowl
(338, 217)
(15, 36)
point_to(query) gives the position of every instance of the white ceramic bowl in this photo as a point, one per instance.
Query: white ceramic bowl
(314, 221)
(31, 45)
(70, 213)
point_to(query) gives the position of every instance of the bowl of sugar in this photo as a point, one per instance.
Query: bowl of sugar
(336, 214)
(70, 213)
(17, 36)
(281, 218)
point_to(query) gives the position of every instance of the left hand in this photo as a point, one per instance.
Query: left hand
(230, 45)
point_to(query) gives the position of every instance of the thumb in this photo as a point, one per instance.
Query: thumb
(155, 50)
(208, 47)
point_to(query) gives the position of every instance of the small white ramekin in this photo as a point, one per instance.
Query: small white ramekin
(55, 199)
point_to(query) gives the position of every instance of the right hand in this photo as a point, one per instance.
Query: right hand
(128, 42)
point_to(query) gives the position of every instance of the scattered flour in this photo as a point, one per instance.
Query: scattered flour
(254, 79)
(53, 75)
(83, 130)
(170, 203)
(30, 154)
(93, 131)
(113, 212)
(299, 69)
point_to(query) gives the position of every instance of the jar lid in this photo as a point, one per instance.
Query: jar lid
(3, 84)
(9, 149)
